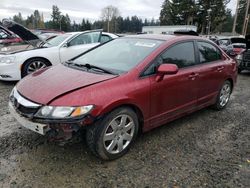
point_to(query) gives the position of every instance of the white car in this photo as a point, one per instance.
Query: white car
(18, 63)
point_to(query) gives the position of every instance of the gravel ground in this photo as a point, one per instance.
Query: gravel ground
(206, 149)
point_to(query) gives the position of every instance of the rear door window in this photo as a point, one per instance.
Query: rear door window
(105, 38)
(86, 38)
(208, 52)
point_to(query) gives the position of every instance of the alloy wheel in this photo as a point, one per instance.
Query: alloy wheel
(225, 94)
(35, 65)
(119, 134)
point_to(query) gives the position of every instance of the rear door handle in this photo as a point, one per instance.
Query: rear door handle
(220, 68)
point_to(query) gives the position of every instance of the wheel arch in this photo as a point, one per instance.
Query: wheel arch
(38, 57)
(133, 107)
(231, 82)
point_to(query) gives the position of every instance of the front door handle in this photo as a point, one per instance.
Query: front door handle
(192, 76)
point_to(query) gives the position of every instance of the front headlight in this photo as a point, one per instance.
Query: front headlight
(63, 111)
(7, 59)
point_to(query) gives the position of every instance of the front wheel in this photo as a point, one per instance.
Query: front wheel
(112, 137)
(33, 65)
(223, 96)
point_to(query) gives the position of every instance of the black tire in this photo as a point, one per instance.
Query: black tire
(25, 69)
(219, 105)
(96, 133)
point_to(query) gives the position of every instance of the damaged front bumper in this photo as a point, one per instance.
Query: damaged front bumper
(36, 127)
(58, 130)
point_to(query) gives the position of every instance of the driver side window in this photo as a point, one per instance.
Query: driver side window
(182, 55)
(85, 38)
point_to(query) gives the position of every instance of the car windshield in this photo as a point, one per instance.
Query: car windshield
(119, 55)
(56, 41)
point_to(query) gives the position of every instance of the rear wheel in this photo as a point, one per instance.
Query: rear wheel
(33, 65)
(223, 96)
(112, 137)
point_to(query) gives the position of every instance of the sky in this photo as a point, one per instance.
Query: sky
(78, 9)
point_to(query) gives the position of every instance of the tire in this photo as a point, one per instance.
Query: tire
(110, 137)
(33, 65)
(223, 96)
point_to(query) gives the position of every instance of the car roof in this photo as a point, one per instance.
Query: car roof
(163, 37)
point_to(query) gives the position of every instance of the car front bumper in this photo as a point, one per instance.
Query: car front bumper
(25, 122)
(10, 72)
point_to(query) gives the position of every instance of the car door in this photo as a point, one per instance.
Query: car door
(79, 44)
(175, 94)
(211, 72)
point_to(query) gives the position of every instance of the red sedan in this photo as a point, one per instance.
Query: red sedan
(125, 86)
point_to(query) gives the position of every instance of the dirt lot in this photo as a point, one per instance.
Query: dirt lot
(206, 149)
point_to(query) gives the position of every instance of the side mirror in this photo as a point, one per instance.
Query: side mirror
(166, 69)
(66, 45)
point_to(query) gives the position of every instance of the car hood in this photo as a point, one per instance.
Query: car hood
(24, 33)
(48, 84)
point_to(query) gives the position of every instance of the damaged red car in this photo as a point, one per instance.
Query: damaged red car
(129, 85)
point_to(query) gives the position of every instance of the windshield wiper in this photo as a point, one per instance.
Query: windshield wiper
(89, 66)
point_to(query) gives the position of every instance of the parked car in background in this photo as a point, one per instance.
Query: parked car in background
(243, 58)
(43, 31)
(14, 65)
(48, 36)
(7, 37)
(127, 85)
(232, 45)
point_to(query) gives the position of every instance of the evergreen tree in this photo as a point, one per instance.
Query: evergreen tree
(19, 19)
(56, 17)
(177, 12)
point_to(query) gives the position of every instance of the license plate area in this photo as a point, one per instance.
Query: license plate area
(36, 127)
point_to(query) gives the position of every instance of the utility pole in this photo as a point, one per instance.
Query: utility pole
(235, 17)
(244, 29)
(246, 26)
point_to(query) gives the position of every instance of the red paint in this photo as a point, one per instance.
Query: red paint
(159, 101)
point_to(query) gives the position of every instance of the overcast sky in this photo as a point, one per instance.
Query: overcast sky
(90, 9)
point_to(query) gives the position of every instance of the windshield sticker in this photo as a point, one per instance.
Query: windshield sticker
(145, 44)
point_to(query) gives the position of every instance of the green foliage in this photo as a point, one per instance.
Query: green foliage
(196, 12)
(177, 12)
(241, 15)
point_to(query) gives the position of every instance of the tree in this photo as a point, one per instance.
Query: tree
(18, 18)
(227, 26)
(56, 17)
(177, 12)
(211, 13)
(65, 23)
(109, 15)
